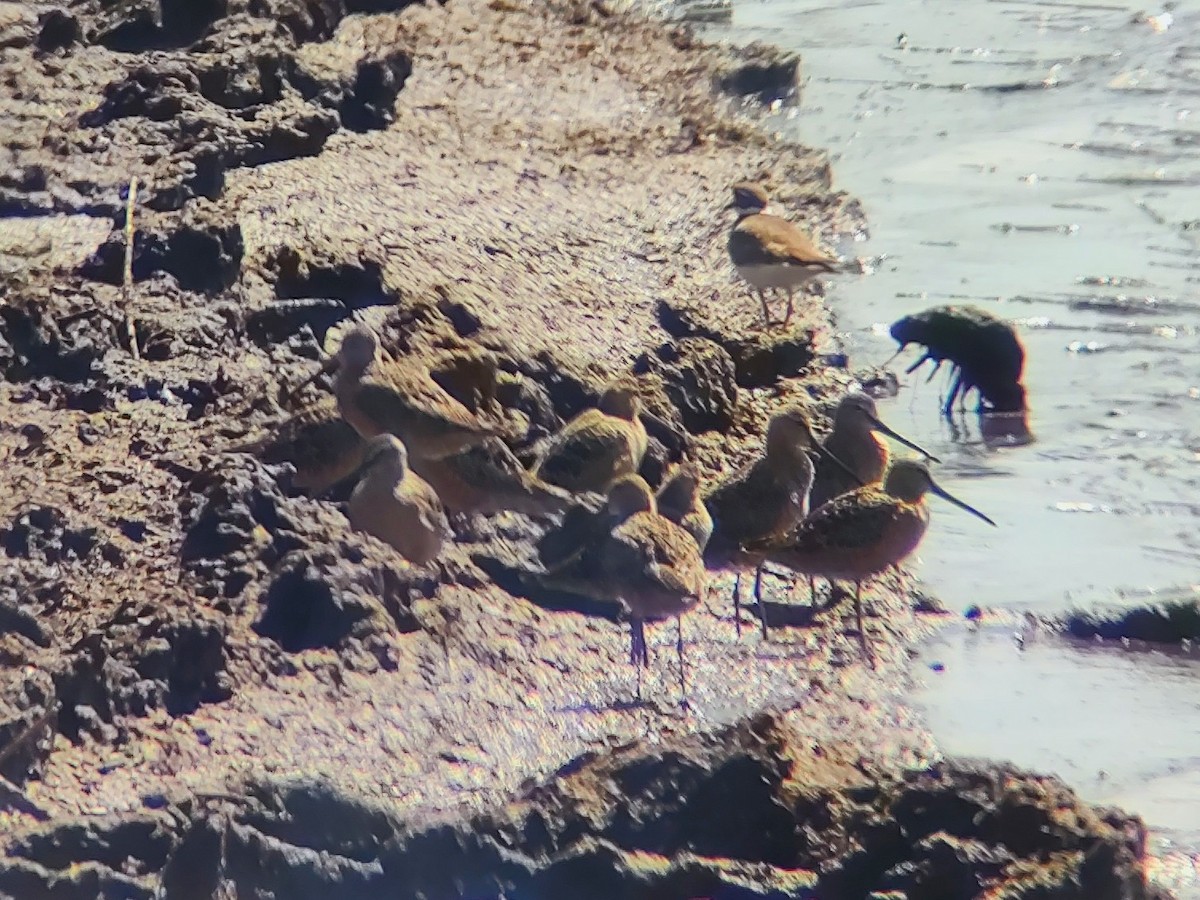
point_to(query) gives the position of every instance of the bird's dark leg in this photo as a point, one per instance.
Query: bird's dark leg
(679, 650)
(737, 603)
(762, 298)
(920, 362)
(936, 366)
(637, 642)
(758, 598)
(812, 591)
(791, 296)
(955, 387)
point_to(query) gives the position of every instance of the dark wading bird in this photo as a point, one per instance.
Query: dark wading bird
(983, 350)
(863, 533)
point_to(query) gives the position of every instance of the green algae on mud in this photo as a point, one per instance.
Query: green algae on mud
(543, 182)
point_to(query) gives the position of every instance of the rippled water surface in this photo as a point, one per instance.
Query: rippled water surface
(1039, 159)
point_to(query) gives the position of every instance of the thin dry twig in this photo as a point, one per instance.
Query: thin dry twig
(127, 275)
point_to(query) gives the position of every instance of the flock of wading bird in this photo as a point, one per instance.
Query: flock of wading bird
(834, 510)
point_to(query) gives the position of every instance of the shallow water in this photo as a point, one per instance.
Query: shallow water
(1040, 160)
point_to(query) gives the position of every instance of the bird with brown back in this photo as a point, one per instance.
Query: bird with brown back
(859, 535)
(396, 506)
(769, 252)
(599, 445)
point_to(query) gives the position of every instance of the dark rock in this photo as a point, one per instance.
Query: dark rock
(760, 357)
(1167, 623)
(42, 533)
(306, 605)
(193, 870)
(700, 379)
(205, 259)
(276, 323)
(764, 72)
(137, 25)
(57, 30)
(27, 722)
(34, 345)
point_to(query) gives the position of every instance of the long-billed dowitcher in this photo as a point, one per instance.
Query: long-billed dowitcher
(488, 478)
(401, 398)
(599, 445)
(761, 501)
(859, 535)
(770, 252)
(397, 506)
(646, 562)
(855, 441)
(678, 499)
(318, 443)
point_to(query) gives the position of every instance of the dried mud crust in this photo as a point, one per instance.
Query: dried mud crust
(542, 186)
(750, 811)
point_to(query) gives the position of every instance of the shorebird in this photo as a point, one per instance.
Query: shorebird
(599, 445)
(646, 562)
(762, 501)
(393, 504)
(316, 441)
(488, 478)
(402, 399)
(861, 534)
(854, 441)
(769, 252)
(586, 523)
(678, 499)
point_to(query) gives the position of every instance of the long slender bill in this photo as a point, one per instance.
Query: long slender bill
(945, 495)
(878, 425)
(329, 365)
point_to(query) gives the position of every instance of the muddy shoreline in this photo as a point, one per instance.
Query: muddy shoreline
(211, 688)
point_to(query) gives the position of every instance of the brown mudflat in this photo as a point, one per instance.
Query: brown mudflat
(180, 633)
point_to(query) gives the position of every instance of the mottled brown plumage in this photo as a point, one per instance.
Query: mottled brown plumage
(761, 501)
(395, 505)
(488, 478)
(859, 535)
(855, 442)
(316, 441)
(401, 398)
(678, 499)
(646, 562)
(770, 252)
(598, 446)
